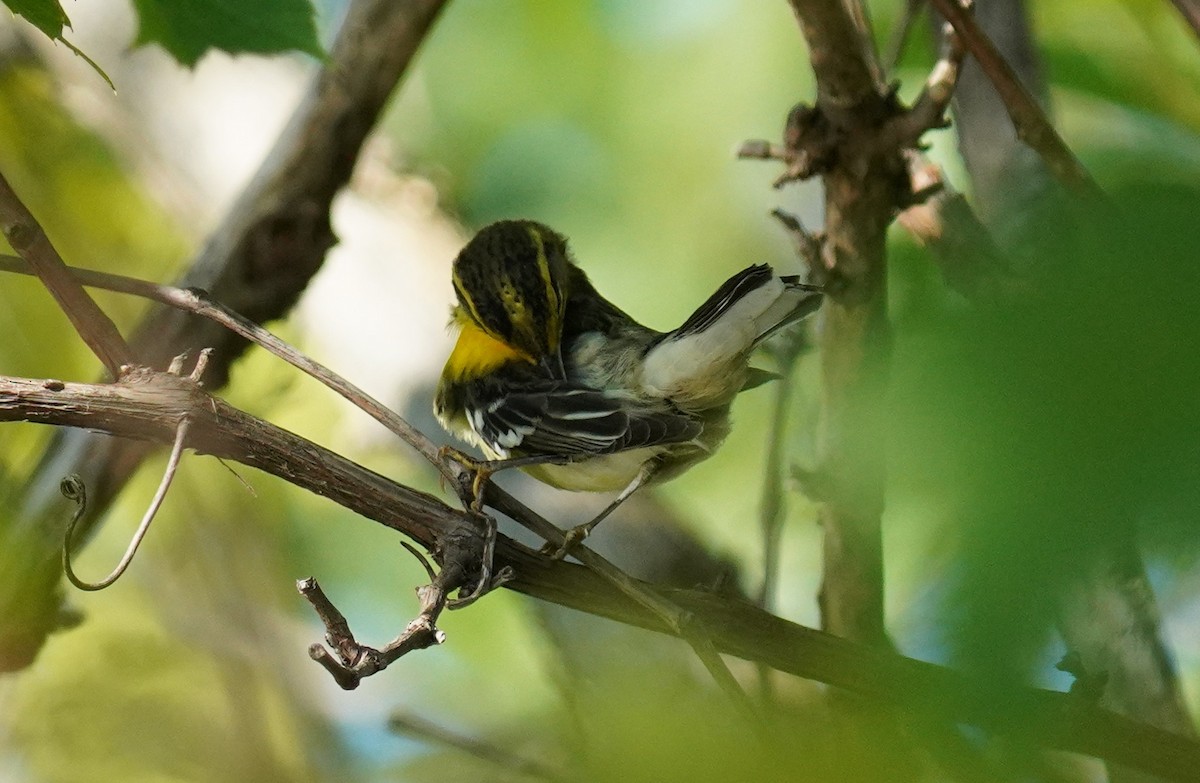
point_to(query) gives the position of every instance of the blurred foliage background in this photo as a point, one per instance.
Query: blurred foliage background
(1019, 437)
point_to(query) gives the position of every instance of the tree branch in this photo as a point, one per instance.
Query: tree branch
(26, 237)
(839, 136)
(1030, 122)
(258, 261)
(194, 301)
(1190, 10)
(144, 405)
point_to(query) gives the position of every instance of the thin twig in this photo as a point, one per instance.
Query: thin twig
(929, 109)
(26, 237)
(493, 754)
(198, 302)
(73, 489)
(773, 505)
(857, 10)
(671, 615)
(1031, 123)
(702, 645)
(355, 661)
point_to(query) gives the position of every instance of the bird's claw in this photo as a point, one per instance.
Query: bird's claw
(571, 539)
(481, 471)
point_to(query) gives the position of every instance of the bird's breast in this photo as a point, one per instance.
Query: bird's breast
(605, 473)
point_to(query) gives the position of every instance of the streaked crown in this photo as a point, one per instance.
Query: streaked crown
(511, 281)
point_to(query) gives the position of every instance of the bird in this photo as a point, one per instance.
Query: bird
(549, 376)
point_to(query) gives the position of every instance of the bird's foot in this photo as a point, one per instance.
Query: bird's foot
(471, 478)
(571, 539)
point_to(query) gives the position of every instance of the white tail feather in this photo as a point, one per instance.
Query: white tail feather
(710, 365)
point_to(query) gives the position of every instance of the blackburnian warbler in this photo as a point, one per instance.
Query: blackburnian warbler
(549, 374)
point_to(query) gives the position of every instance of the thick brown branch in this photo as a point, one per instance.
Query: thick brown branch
(197, 302)
(864, 183)
(146, 403)
(845, 79)
(274, 238)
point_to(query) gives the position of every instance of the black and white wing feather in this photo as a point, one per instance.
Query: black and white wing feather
(575, 421)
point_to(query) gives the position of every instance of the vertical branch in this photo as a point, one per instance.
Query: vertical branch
(773, 506)
(861, 192)
(854, 351)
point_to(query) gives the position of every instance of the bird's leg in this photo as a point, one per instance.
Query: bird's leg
(482, 470)
(576, 534)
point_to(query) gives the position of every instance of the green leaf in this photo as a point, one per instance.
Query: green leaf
(46, 15)
(189, 28)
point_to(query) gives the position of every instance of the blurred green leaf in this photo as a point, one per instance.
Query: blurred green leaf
(187, 30)
(1062, 424)
(46, 15)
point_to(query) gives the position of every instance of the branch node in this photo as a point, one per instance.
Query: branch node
(807, 244)
(176, 365)
(201, 365)
(809, 147)
(350, 662)
(484, 582)
(761, 149)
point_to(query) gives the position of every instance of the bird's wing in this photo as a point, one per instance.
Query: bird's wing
(575, 421)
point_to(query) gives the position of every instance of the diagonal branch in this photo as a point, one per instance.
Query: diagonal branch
(1190, 11)
(414, 726)
(27, 238)
(198, 302)
(1030, 122)
(144, 404)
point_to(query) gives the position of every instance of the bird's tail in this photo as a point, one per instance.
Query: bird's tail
(798, 300)
(752, 305)
(747, 309)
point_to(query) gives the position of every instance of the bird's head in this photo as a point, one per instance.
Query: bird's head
(511, 282)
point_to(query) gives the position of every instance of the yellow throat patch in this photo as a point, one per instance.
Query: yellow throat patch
(477, 353)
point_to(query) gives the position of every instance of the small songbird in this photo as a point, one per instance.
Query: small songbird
(550, 376)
